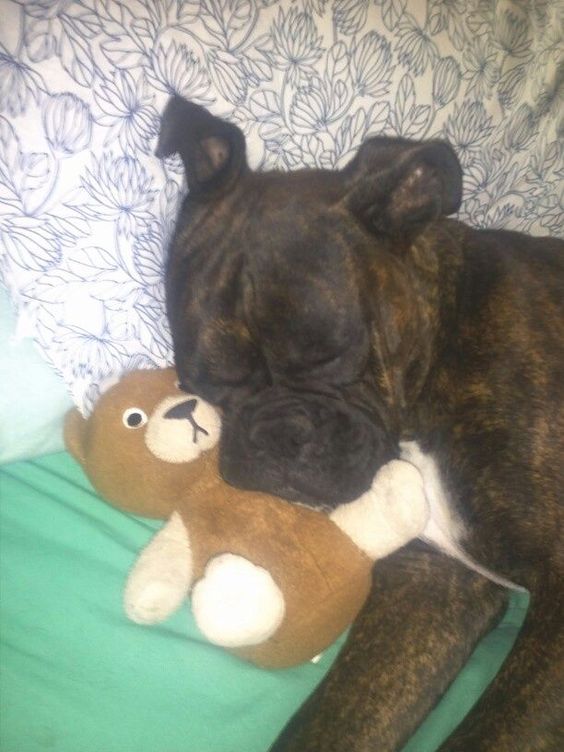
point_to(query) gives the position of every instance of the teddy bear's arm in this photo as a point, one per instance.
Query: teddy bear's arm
(392, 512)
(162, 575)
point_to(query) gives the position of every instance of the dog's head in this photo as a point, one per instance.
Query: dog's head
(283, 287)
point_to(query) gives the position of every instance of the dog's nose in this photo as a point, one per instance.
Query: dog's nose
(182, 411)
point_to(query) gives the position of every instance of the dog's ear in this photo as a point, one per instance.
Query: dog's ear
(212, 150)
(397, 186)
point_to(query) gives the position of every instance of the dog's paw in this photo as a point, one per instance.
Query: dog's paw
(237, 603)
(390, 514)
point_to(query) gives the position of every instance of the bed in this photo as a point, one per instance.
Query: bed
(85, 214)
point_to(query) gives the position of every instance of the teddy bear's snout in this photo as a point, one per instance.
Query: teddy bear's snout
(181, 427)
(185, 411)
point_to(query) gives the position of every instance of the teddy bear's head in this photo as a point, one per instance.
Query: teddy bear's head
(139, 445)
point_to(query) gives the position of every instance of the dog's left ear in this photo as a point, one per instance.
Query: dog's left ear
(397, 186)
(213, 150)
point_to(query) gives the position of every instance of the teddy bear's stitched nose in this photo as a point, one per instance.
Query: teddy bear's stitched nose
(182, 410)
(185, 411)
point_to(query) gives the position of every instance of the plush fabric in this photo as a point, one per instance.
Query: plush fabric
(33, 398)
(77, 676)
(86, 209)
(317, 576)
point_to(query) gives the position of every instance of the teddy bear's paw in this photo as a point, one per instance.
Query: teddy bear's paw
(391, 513)
(161, 576)
(237, 603)
(155, 602)
(398, 491)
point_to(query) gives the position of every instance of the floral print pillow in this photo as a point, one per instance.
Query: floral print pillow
(86, 209)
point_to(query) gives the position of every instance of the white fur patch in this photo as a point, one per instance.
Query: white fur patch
(237, 603)
(444, 530)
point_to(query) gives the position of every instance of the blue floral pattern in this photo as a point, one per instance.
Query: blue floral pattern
(86, 209)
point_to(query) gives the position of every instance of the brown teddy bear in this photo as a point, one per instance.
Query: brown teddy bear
(274, 582)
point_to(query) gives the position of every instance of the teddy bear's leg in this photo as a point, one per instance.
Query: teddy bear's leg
(161, 576)
(237, 603)
(392, 512)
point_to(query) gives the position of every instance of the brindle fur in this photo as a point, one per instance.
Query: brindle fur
(351, 711)
(354, 287)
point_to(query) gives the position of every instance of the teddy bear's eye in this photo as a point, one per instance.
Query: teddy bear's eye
(134, 417)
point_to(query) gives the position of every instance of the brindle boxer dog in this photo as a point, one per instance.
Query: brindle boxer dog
(335, 314)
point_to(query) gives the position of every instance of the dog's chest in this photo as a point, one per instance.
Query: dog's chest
(444, 530)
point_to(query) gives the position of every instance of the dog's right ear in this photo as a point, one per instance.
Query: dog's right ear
(212, 150)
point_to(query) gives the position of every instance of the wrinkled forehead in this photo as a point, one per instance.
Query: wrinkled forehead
(300, 191)
(274, 207)
(293, 208)
(300, 246)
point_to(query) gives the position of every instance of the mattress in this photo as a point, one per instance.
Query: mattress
(77, 676)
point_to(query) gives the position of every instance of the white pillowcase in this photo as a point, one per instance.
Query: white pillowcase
(86, 210)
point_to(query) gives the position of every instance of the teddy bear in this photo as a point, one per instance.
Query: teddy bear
(272, 581)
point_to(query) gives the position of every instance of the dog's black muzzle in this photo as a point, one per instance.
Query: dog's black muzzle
(302, 446)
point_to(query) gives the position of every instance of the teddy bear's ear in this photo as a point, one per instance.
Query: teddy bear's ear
(76, 424)
(74, 428)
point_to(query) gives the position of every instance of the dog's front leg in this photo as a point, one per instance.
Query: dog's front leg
(424, 616)
(523, 709)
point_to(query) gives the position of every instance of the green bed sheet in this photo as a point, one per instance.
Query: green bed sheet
(77, 676)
